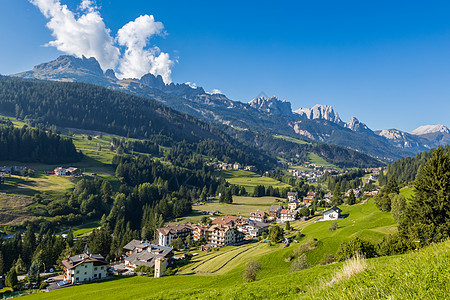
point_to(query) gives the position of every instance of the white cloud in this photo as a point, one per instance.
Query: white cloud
(216, 91)
(191, 84)
(138, 57)
(84, 33)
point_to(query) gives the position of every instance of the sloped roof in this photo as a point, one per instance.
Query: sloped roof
(77, 260)
(275, 208)
(174, 228)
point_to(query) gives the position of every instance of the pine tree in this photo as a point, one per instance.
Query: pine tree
(288, 225)
(392, 186)
(431, 203)
(11, 278)
(351, 198)
(33, 273)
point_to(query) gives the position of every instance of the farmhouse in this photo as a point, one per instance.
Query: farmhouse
(229, 221)
(292, 196)
(172, 231)
(274, 211)
(332, 214)
(84, 267)
(259, 216)
(71, 171)
(287, 215)
(237, 166)
(250, 168)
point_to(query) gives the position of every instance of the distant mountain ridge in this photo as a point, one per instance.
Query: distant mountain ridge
(269, 115)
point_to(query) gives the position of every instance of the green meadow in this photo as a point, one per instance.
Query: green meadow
(250, 179)
(218, 274)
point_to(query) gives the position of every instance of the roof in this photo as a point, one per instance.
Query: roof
(229, 220)
(77, 260)
(220, 227)
(136, 244)
(275, 208)
(258, 213)
(288, 212)
(292, 193)
(174, 228)
(332, 209)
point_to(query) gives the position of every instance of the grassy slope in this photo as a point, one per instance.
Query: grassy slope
(241, 206)
(250, 179)
(274, 280)
(316, 159)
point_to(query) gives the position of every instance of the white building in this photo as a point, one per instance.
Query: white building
(84, 267)
(171, 231)
(287, 215)
(332, 214)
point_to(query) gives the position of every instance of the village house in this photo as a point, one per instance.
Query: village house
(287, 215)
(200, 231)
(292, 196)
(237, 166)
(293, 205)
(259, 216)
(311, 194)
(172, 231)
(71, 171)
(84, 267)
(255, 229)
(229, 221)
(274, 211)
(250, 168)
(333, 213)
(223, 235)
(308, 199)
(146, 254)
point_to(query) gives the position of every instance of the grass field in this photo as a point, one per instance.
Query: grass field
(290, 139)
(423, 274)
(241, 206)
(85, 230)
(316, 159)
(250, 179)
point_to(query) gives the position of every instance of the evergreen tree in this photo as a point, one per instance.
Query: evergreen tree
(275, 234)
(430, 205)
(11, 278)
(288, 225)
(2, 263)
(33, 273)
(398, 205)
(351, 198)
(392, 186)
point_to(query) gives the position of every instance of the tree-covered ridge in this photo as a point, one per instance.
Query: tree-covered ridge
(35, 145)
(406, 168)
(90, 107)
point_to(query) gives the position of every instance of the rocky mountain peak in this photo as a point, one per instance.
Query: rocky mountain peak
(426, 129)
(355, 125)
(318, 111)
(272, 105)
(153, 81)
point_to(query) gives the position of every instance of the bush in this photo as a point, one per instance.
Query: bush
(300, 263)
(251, 270)
(328, 259)
(43, 285)
(354, 247)
(144, 269)
(333, 226)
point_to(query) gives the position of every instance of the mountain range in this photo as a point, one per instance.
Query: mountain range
(268, 115)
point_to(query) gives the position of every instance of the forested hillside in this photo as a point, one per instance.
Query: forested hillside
(85, 106)
(406, 168)
(35, 145)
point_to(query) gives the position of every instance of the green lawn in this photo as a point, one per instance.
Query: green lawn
(250, 179)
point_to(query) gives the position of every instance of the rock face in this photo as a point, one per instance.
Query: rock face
(426, 129)
(270, 115)
(272, 106)
(355, 125)
(324, 112)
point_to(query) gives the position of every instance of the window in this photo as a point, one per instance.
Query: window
(78, 271)
(95, 269)
(85, 273)
(101, 268)
(85, 266)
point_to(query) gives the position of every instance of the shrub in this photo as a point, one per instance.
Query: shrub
(143, 269)
(328, 259)
(354, 247)
(43, 285)
(394, 244)
(300, 263)
(251, 270)
(333, 226)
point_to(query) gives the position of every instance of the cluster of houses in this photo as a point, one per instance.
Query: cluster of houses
(8, 170)
(71, 171)
(223, 231)
(235, 166)
(313, 174)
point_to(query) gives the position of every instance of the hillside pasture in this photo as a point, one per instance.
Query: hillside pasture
(250, 179)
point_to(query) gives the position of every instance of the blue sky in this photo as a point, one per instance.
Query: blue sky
(385, 62)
